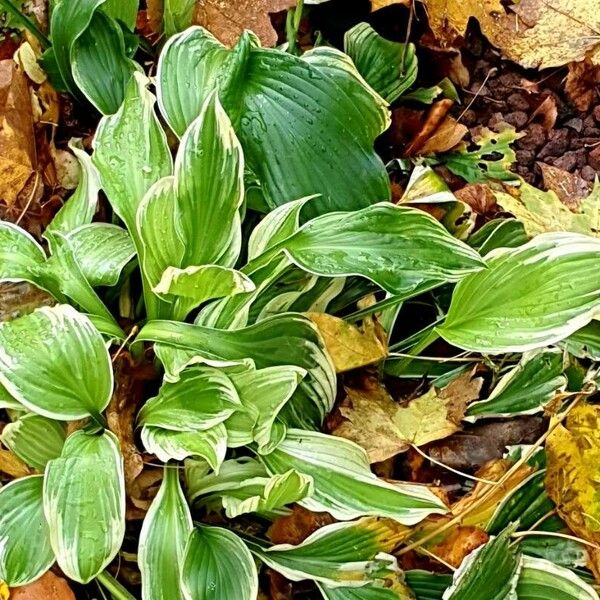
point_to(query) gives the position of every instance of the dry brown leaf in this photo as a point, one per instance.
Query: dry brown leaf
(546, 113)
(448, 134)
(573, 471)
(534, 33)
(142, 491)
(12, 465)
(582, 84)
(227, 19)
(20, 298)
(297, 526)
(478, 196)
(17, 144)
(385, 428)
(461, 541)
(47, 587)
(349, 346)
(569, 187)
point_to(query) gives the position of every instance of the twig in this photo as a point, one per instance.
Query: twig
(491, 72)
(31, 196)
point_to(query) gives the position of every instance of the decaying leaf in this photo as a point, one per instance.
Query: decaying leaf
(543, 211)
(227, 19)
(349, 346)
(378, 4)
(385, 428)
(534, 33)
(13, 466)
(573, 471)
(461, 542)
(17, 145)
(20, 298)
(296, 527)
(569, 187)
(582, 82)
(26, 58)
(47, 587)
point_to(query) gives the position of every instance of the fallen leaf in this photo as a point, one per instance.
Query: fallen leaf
(546, 113)
(569, 187)
(26, 58)
(478, 196)
(448, 134)
(582, 83)
(534, 33)
(349, 346)
(379, 4)
(20, 298)
(48, 587)
(66, 167)
(385, 428)
(573, 470)
(543, 211)
(142, 491)
(4, 591)
(297, 526)
(461, 541)
(13, 466)
(17, 144)
(227, 19)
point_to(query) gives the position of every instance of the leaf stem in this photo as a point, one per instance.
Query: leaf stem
(27, 23)
(430, 336)
(116, 590)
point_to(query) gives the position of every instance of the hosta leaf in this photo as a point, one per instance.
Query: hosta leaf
(562, 552)
(263, 394)
(343, 483)
(20, 254)
(217, 565)
(526, 388)
(541, 579)
(389, 68)
(498, 233)
(342, 553)
(25, 551)
(211, 444)
(84, 504)
(99, 64)
(265, 92)
(427, 585)
(34, 439)
(531, 296)
(395, 247)
(371, 591)
(585, 342)
(490, 572)
(54, 361)
(202, 398)
(286, 339)
(79, 209)
(122, 10)
(102, 250)
(166, 528)
(177, 15)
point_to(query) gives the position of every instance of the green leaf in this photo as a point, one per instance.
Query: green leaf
(488, 573)
(55, 362)
(351, 553)
(79, 209)
(396, 247)
(102, 251)
(84, 504)
(100, 65)
(177, 15)
(165, 531)
(530, 297)
(426, 585)
(167, 444)
(263, 394)
(370, 591)
(585, 342)
(34, 439)
(343, 483)
(286, 339)
(541, 579)
(25, 552)
(498, 233)
(218, 566)
(388, 67)
(331, 118)
(525, 389)
(122, 10)
(560, 551)
(202, 398)
(20, 254)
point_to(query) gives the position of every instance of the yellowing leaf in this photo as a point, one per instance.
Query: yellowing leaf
(349, 346)
(542, 211)
(385, 428)
(573, 472)
(534, 33)
(4, 591)
(377, 4)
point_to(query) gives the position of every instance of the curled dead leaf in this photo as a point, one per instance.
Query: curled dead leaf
(582, 83)
(13, 466)
(461, 542)
(546, 113)
(478, 196)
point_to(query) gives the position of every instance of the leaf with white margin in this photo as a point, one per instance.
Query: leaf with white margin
(491, 571)
(166, 444)
(343, 482)
(80, 208)
(84, 504)
(7, 401)
(25, 552)
(292, 115)
(34, 439)
(217, 565)
(165, 531)
(102, 251)
(525, 389)
(20, 254)
(390, 68)
(124, 10)
(542, 579)
(339, 554)
(202, 398)
(396, 247)
(372, 591)
(54, 361)
(286, 339)
(529, 297)
(263, 393)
